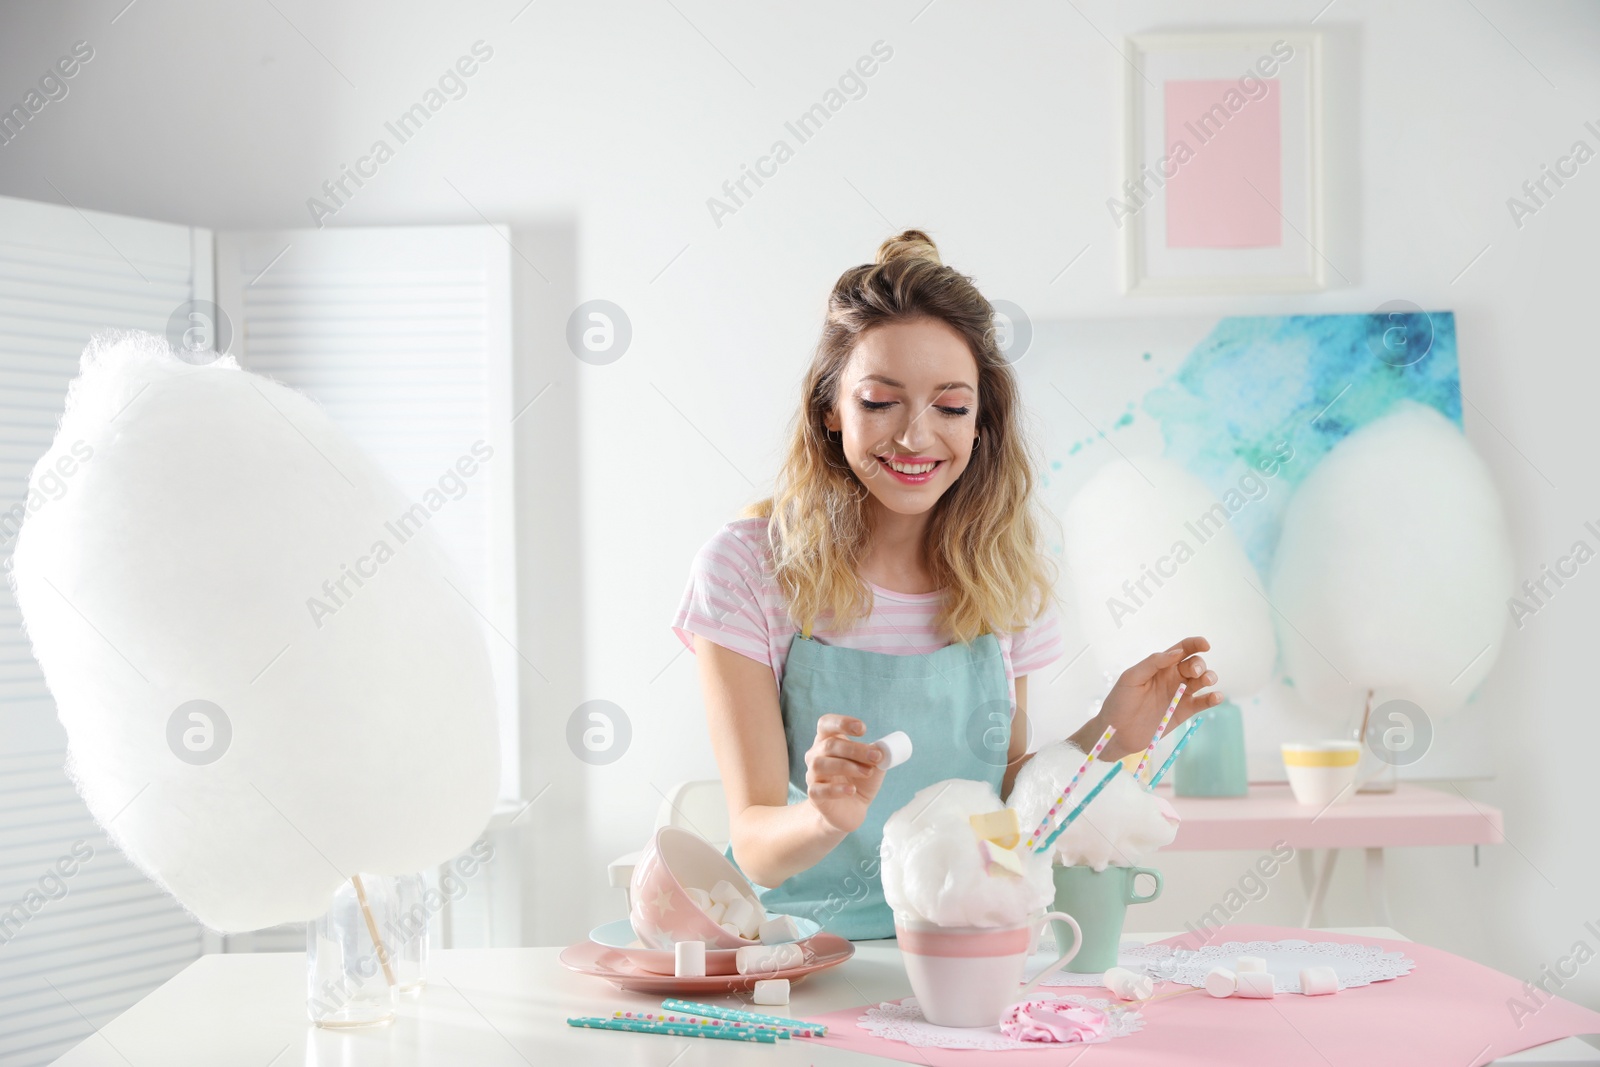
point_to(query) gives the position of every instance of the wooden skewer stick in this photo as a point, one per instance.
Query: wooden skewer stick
(372, 928)
(1365, 716)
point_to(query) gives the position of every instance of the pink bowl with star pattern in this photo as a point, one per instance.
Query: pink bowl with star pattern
(662, 912)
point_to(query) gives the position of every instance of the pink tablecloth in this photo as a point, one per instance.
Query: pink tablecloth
(1448, 1011)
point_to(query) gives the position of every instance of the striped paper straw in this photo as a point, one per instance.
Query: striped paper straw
(1084, 803)
(1156, 740)
(734, 1015)
(783, 1032)
(639, 1026)
(1173, 757)
(1060, 801)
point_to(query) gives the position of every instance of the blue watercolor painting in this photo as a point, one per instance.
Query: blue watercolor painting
(1250, 387)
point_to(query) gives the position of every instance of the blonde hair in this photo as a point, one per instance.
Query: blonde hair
(983, 535)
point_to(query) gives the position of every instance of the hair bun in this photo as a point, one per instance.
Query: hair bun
(912, 244)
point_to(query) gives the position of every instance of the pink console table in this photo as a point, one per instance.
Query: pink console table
(1411, 815)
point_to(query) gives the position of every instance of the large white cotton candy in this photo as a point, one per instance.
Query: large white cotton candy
(933, 870)
(1393, 568)
(180, 563)
(1122, 827)
(1152, 562)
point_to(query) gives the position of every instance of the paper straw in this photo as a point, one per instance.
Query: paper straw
(1177, 748)
(1115, 767)
(783, 1032)
(638, 1026)
(1060, 801)
(734, 1015)
(1156, 740)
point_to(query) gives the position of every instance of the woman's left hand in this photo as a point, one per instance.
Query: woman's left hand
(1140, 697)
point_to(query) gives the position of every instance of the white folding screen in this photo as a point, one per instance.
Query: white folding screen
(403, 334)
(83, 935)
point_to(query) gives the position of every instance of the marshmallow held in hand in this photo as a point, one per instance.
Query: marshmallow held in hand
(896, 748)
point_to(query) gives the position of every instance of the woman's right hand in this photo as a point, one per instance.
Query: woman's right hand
(842, 774)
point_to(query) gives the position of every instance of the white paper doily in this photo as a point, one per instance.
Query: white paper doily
(903, 1022)
(1355, 964)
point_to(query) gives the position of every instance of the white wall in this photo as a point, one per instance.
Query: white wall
(599, 131)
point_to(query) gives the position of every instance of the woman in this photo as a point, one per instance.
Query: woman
(894, 581)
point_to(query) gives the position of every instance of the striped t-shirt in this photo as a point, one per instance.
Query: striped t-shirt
(734, 599)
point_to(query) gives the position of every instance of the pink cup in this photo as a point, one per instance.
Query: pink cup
(662, 912)
(966, 976)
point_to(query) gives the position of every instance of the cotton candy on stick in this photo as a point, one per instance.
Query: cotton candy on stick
(1152, 558)
(179, 564)
(1394, 566)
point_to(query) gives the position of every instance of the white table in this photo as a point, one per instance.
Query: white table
(491, 1008)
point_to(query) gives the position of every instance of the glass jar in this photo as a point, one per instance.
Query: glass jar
(350, 978)
(1375, 773)
(409, 940)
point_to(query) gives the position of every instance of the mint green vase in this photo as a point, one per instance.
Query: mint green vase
(1212, 763)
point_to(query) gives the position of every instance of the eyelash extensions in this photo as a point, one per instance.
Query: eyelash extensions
(879, 405)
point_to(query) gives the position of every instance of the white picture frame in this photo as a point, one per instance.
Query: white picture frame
(1138, 206)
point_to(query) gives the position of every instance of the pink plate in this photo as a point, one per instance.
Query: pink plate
(822, 951)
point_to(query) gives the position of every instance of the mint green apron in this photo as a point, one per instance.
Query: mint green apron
(955, 703)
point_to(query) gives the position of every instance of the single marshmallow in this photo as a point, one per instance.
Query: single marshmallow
(701, 898)
(896, 748)
(725, 893)
(742, 914)
(1257, 985)
(732, 929)
(772, 991)
(1319, 981)
(1000, 861)
(689, 959)
(778, 929)
(764, 959)
(1125, 985)
(1221, 982)
(717, 913)
(1001, 827)
(1250, 963)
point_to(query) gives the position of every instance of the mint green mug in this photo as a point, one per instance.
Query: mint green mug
(1099, 901)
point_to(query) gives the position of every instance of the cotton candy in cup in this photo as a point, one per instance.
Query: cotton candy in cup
(934, 871)
(1125, 823)
(200, 563)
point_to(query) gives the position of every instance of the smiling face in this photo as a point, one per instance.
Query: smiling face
(907, 412)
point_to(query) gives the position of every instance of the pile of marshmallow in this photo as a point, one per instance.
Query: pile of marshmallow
(742, 915)
(1253, 980)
